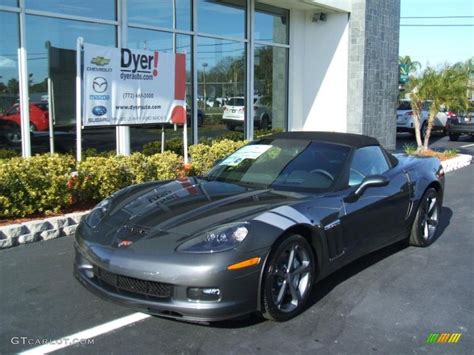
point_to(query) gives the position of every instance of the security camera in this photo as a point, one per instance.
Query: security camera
(319, 16)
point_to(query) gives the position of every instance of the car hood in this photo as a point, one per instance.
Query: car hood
(182, 208)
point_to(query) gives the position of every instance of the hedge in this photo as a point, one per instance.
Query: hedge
(49, 183)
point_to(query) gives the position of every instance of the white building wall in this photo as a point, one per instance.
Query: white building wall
(318, 72)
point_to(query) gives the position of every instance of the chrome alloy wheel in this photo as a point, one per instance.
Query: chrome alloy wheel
(429, 218)
(291, 277)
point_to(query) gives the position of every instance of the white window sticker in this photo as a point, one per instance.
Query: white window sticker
(248, 152)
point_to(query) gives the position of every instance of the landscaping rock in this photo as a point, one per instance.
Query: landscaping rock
(69, 230)
(50, 234)
(14, 230)
(37, 226)
(27, 238)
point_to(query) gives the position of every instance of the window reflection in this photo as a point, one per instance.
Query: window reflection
(224, 18)
(61, 34)
(270, 82)
(221, 82)
(103, 9)
(9, 88)
(271, 24)
(150, 40)
(9, 3)
(183, 14)
(149, 12)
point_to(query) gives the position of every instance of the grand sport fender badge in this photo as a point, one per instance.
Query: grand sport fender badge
(332, 224)
(124, 243)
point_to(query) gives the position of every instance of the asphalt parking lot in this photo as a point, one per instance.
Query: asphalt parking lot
(387, 302)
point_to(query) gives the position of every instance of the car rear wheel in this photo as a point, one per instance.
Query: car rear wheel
(453, 137)
(264, 123)
(13, 134)
(288, 279)
(426, 220)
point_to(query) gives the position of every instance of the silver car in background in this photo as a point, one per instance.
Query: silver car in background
(234, 112)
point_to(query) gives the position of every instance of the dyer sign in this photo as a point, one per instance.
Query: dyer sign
(129, 87)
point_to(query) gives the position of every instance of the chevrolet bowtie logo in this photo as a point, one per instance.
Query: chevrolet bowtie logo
(100, 61)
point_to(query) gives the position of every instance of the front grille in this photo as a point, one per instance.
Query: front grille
(133, 285)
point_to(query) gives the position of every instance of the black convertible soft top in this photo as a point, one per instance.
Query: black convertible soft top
(349, 139)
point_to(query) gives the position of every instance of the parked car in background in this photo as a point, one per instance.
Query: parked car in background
(461, 124)
(200, 115)
(39, 116)
(234, 112)
(405, 122)
(9, 132)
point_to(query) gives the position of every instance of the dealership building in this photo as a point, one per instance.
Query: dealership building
(328, 65)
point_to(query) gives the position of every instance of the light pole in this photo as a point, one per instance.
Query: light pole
(204, 65)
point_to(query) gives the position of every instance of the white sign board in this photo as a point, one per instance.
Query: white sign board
(128, 87)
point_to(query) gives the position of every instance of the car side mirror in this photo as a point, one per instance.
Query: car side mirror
(369, 181)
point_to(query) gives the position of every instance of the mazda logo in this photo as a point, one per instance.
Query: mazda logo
(99, 84)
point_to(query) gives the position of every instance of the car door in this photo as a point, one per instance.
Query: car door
(377, 218)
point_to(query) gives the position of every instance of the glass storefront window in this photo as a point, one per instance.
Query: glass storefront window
(271, 24)
(223, 18)
(183, 15)
(61, 33)
(271, 78)
(103, 9)
(150, 40)
(9, 3)
(221, 85)
(154, 13)
(9, 87)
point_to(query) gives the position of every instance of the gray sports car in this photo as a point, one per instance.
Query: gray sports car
(259, 230)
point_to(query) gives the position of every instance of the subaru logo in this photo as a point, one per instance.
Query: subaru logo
(99, 84)
(99, 110)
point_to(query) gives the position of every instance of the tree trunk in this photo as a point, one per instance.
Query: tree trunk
(428, 131)
(416, 120)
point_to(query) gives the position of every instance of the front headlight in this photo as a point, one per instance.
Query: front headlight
(97, 213)
(220, 239)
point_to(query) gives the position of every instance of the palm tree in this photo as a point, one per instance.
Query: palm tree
(407, 65)
(446, 88)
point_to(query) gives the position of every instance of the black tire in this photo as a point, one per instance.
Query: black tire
(425, 225)
(265, 123)
(285, 293)
(13, 134)
(453, 137)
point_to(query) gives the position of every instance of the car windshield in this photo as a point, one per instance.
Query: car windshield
(284, 164)
(404, 105)
(235, 102)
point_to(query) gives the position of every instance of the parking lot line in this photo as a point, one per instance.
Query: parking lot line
(77, 338)
(467, 145)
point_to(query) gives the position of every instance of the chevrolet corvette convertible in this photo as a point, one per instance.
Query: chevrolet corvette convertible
(258, 231)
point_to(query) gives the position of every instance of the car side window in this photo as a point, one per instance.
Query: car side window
(367, 161)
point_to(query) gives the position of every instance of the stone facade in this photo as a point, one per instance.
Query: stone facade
(374, 30)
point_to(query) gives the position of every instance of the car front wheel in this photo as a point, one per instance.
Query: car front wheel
(288, 280)
(426, 220)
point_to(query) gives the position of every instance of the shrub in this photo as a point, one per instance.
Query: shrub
(8, 153)
(99, 177)
(36, 184)
(174, 145)
(203, 156)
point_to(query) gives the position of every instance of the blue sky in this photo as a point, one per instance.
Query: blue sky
(437, 45)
